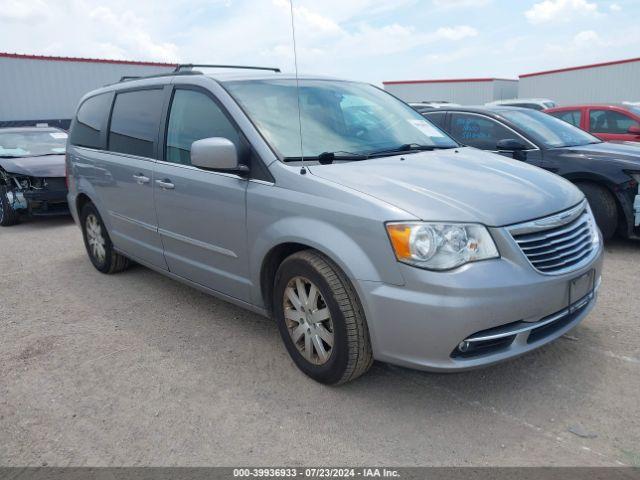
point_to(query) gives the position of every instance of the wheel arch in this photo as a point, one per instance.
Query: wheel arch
(625, 220)
(273, 246)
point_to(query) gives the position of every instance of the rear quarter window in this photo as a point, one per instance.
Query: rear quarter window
(90, 120)
(134, 122)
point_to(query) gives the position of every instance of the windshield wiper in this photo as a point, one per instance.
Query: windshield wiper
(405, 148)
(326, 158)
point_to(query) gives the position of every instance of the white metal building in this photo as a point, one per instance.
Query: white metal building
(465, 91)
(47, 89)
(609, 82)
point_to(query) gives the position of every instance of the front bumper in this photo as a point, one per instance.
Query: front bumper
(421, 324)
(46, 202)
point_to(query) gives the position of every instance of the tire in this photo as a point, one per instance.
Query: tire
(349, 354)
(105, 259)
(603, 206)
(8, 216)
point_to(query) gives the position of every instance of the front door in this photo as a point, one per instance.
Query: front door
(612, 125)
(479, 131)
(201, 214)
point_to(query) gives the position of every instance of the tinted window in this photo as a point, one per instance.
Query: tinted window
(546, 130)
(195, 116)
(134, 122)
(478, 131)
(609, 121)
(573, 116)
(436, 117)
(90, 120)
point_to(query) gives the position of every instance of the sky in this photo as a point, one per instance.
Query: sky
(369, 40)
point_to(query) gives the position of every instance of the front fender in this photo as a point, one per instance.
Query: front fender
(335, 243)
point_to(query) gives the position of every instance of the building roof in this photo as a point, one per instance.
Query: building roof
(581, 67)
(448, 80)
(85, 60)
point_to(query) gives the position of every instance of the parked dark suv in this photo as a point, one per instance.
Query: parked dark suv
(607, 173)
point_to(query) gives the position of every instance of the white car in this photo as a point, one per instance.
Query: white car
(534, 103)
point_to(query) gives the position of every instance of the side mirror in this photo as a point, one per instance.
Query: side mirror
(216, 153)
(634, 130)
(511, 145)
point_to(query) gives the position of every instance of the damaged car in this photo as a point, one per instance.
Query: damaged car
(32, 173)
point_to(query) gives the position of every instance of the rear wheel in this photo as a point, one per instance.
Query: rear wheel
(8, 216)
(98, 244)
(320, 319)
(603, 206)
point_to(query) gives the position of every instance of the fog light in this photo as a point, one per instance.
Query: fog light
(464, 346)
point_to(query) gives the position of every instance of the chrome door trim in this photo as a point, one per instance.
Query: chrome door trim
(146, 226)
(197, 243)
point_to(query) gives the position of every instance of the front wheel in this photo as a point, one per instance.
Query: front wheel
(98, 244)
(603, 206)
(320, 319)
(8, 216)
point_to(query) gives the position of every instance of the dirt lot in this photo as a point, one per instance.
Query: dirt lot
(136, 369)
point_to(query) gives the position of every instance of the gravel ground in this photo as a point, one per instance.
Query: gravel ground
(136, 369)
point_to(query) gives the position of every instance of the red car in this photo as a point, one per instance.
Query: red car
(611, 123)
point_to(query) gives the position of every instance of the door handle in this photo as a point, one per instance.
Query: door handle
(141, 179)
(165, 184)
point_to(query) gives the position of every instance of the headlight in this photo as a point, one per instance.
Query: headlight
(440, 246)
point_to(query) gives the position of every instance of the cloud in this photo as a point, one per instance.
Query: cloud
(456, 33)
(614, 7)
(22, 11)
(460, 3)
(557, 11)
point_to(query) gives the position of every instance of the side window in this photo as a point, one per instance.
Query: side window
(195, 116)
(609, 121)
(436, 118)
(90, 120)
(570, 116)
(478, 131)
(134, 122)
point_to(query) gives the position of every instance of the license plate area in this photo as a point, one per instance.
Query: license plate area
(579, 288)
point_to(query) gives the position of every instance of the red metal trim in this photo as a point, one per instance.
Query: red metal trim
(86, 60)
(448, 80)
(582, 67)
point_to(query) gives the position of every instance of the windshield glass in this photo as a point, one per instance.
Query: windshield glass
(32, 143)
(547, 130)
(336, 117)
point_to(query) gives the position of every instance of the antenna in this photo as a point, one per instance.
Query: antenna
(295, 59)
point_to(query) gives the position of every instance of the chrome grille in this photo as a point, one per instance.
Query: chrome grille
(558, 243)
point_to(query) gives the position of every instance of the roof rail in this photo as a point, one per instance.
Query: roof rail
(128, 77)
(190, 66)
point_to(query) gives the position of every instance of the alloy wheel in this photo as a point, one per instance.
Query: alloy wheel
(95, 239)
(308, 320)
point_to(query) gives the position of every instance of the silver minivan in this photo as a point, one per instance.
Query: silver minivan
(339, 211)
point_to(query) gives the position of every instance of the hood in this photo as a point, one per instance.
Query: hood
(47, 166)
(626, 154)
(468, 186)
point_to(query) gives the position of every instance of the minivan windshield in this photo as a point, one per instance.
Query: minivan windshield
(548, 130)
(32, 143)
(345, 117)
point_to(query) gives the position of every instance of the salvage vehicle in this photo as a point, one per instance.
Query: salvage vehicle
(362, 229)
(32, 176)
(607, 173)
